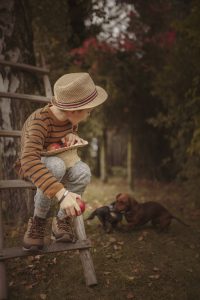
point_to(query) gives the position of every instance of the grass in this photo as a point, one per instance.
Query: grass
(140, 264)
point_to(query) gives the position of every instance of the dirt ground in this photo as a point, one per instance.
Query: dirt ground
(142, 264)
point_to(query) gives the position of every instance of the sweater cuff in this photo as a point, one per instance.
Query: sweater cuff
(52, 191)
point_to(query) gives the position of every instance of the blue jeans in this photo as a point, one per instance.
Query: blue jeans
(74, 179)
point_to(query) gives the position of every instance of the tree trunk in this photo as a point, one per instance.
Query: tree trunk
(16, 45)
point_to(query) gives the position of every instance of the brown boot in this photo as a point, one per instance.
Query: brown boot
(34, 235)
(62, 230)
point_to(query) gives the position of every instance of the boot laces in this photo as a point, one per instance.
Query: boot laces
(65, 224)
(37, 228)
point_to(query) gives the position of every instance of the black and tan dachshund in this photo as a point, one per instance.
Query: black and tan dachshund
(107, 215)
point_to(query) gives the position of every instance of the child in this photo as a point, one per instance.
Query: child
(75, 95)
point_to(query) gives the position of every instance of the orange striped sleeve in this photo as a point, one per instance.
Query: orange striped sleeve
(32, 167)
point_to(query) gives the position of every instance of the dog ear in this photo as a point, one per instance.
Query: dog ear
(118, 195)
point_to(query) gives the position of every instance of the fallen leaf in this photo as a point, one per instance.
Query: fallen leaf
(38, 257)
(115, 247)
(43, 296)
(120, 243)
(54, 260)
(106, 273)
(28, 287)
(112, 240)
(135, 270)
(11, 283)
(30, 258)
(189, 270)
(107, 281)
(130, 277)
(157, 276)
(141, 238)
(130, 296)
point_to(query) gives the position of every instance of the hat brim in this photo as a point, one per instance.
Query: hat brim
(99, 99)
(63, 149)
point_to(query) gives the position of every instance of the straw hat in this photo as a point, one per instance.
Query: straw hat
(77, 91)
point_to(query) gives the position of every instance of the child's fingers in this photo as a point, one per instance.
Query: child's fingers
(64, 140)
(71, 141)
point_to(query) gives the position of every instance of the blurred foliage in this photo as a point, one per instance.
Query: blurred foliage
(177, 86)
(153, 85)
(151, 74)
(58, 26)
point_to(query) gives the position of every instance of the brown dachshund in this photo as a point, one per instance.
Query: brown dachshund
(137, 214)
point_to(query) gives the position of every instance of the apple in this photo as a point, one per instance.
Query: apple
(54, 146)
(81, 204)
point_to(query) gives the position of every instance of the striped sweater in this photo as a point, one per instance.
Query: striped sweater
(41, 129)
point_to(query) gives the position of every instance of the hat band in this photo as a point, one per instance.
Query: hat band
(80, 103)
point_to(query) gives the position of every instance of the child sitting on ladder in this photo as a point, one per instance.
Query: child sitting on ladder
(75, 95)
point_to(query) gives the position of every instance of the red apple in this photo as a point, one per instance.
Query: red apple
(54, 146)
(81, 204)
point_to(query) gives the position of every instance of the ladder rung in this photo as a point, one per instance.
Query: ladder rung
(8, 253)
(34, 98)
(12, 133)
(9, 184)
(25, 67)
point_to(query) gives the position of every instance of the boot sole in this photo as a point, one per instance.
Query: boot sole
(62, 239)
(33, 249)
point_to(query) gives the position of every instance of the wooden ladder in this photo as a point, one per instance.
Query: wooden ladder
(83, 244)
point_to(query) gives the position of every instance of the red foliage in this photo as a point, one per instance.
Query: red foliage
(92, 44)
(127, 45)
(170, 38)
(163, 40)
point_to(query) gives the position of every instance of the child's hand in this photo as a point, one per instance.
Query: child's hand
(70, 205)
(72, 139)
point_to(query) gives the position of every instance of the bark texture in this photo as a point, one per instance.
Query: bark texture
(16, 45)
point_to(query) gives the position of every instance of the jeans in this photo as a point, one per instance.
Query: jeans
(74, 179)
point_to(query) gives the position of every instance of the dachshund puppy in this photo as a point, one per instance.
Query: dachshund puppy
(108, 217)
(137, 214)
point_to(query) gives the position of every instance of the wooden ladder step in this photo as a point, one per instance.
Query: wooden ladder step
(8, 253)
(25, 67)
(34, 98)
(9, 184)
(10, 133)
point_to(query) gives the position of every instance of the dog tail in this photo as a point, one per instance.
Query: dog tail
(180, 221)
(91, 216)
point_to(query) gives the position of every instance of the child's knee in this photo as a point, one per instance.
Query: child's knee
(55, 165)
(80, 173)
(85, 174)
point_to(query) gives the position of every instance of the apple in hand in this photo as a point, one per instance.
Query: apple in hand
(54, 146)
(81, 204)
